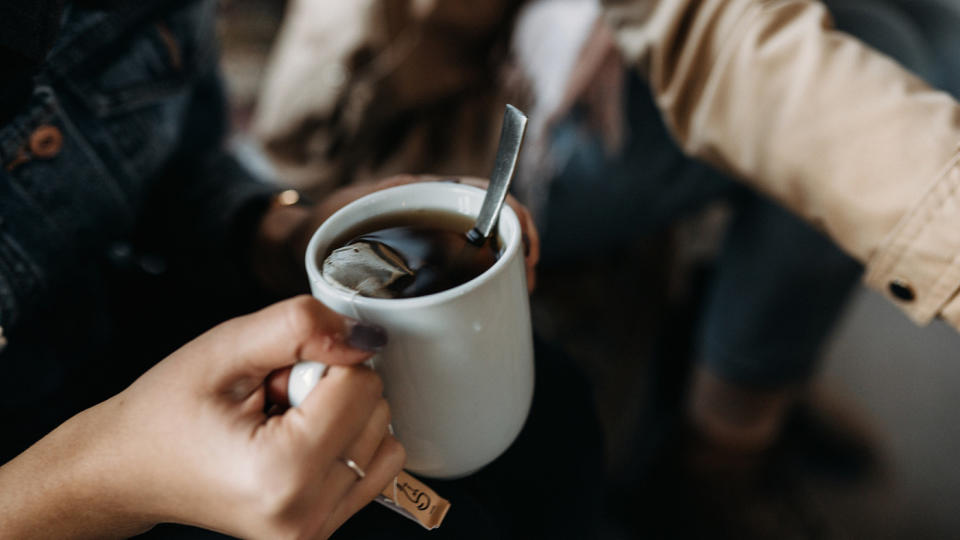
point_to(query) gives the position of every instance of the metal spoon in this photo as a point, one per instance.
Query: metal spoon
(511, 138)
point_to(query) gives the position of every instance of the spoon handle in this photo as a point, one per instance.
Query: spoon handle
(511, 138)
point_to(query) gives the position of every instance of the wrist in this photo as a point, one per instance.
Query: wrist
(280, 242)
(72, 483)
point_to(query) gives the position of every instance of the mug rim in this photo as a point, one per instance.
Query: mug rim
(508, 222)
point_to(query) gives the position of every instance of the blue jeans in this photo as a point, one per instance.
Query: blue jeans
(778, 285)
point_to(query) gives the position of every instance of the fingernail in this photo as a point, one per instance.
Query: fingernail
(365, 336)
(526, 244)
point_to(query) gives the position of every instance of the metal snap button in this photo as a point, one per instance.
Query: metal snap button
(46, 142)
(902, 289)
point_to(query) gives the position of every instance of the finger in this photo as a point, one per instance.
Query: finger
(335, 415)
(531, 240)
(361, 451)
(278, 336)
(336, 411)
(338, 478)
(528, 229)
(381, 472)
(277, 387)
(530, 232)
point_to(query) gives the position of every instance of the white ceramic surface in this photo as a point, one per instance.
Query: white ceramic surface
(458, 368)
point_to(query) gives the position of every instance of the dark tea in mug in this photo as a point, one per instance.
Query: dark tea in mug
(407, 254)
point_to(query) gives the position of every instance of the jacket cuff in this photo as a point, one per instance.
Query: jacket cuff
(918, 266)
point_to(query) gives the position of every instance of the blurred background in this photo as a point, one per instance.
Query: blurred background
(627, 311)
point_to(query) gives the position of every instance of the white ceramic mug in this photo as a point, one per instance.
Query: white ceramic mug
(458, 368)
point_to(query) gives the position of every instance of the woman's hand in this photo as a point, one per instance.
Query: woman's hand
(292, 227)
(190, 441)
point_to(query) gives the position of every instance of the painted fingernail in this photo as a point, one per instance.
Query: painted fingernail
(526, 244)
(365, 336)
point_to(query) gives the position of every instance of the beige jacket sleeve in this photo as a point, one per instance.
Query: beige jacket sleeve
(835, 131)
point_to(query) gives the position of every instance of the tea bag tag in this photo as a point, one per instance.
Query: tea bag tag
(406, 495)
(413, 500)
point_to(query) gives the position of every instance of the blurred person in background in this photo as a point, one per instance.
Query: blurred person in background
(776, 286)
(126, 229)
(798, 105)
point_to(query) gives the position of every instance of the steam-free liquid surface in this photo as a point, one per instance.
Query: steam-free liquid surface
(431, 243)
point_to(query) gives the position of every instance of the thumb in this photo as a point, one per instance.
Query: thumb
(282, 334)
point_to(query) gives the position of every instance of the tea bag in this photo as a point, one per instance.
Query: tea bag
(369, 267)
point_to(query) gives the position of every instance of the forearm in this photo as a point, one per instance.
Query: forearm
(835, 131)
(69, 485)
(202, 212)
(203, 217)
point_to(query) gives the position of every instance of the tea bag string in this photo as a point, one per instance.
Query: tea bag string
(352, 302)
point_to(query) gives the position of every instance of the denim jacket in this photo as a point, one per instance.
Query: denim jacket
(116, 167)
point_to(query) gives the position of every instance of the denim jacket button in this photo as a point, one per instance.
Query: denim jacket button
(46, 142)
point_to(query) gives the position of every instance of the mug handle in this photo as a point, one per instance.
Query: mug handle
(303, 377)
